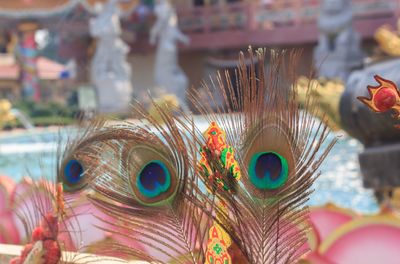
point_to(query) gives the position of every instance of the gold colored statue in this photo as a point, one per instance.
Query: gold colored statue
(5, 112)
(389, 39)
(323, 95)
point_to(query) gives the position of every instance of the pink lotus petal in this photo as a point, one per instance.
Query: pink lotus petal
(328, 218)
(9, 233)
(6, 189)
(367, 240)
(315, 258)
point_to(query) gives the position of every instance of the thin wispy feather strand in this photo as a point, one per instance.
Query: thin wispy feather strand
(278, 148)
(264, 116)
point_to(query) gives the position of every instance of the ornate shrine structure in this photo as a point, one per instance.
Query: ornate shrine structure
(217, 29)
(68, 19)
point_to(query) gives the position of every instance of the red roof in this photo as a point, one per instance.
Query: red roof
(46, 8)
(9, 70)
(48, 69)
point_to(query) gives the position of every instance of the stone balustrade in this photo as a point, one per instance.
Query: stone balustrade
(279, 22)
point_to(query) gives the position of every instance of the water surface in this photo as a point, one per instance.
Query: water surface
(340, 181)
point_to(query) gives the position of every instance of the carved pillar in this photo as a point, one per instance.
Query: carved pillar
(27, 52)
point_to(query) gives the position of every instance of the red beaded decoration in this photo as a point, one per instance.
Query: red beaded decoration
(383, 97)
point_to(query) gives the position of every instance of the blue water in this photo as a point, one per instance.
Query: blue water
(340, 181)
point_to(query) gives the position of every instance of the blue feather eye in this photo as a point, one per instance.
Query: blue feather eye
(154, 179)
(73, 171)
(152, 176)
(268, 170)
(72, 175)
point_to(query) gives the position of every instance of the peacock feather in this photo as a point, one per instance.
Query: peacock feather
(45, 208)
(153, 193)
(278, 149)
(48, 222)
(169, 185)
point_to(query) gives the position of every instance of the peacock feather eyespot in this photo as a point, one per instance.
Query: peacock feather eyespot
(268, 170)
(73, 175)
(153, 179)
(73, 171)
(151, 174)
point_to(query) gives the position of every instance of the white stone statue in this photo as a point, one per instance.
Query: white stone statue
(169, 77)
(110, 72)
(338, 50)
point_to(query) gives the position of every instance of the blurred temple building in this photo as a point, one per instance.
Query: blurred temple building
(217, 29)
(48, 72)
